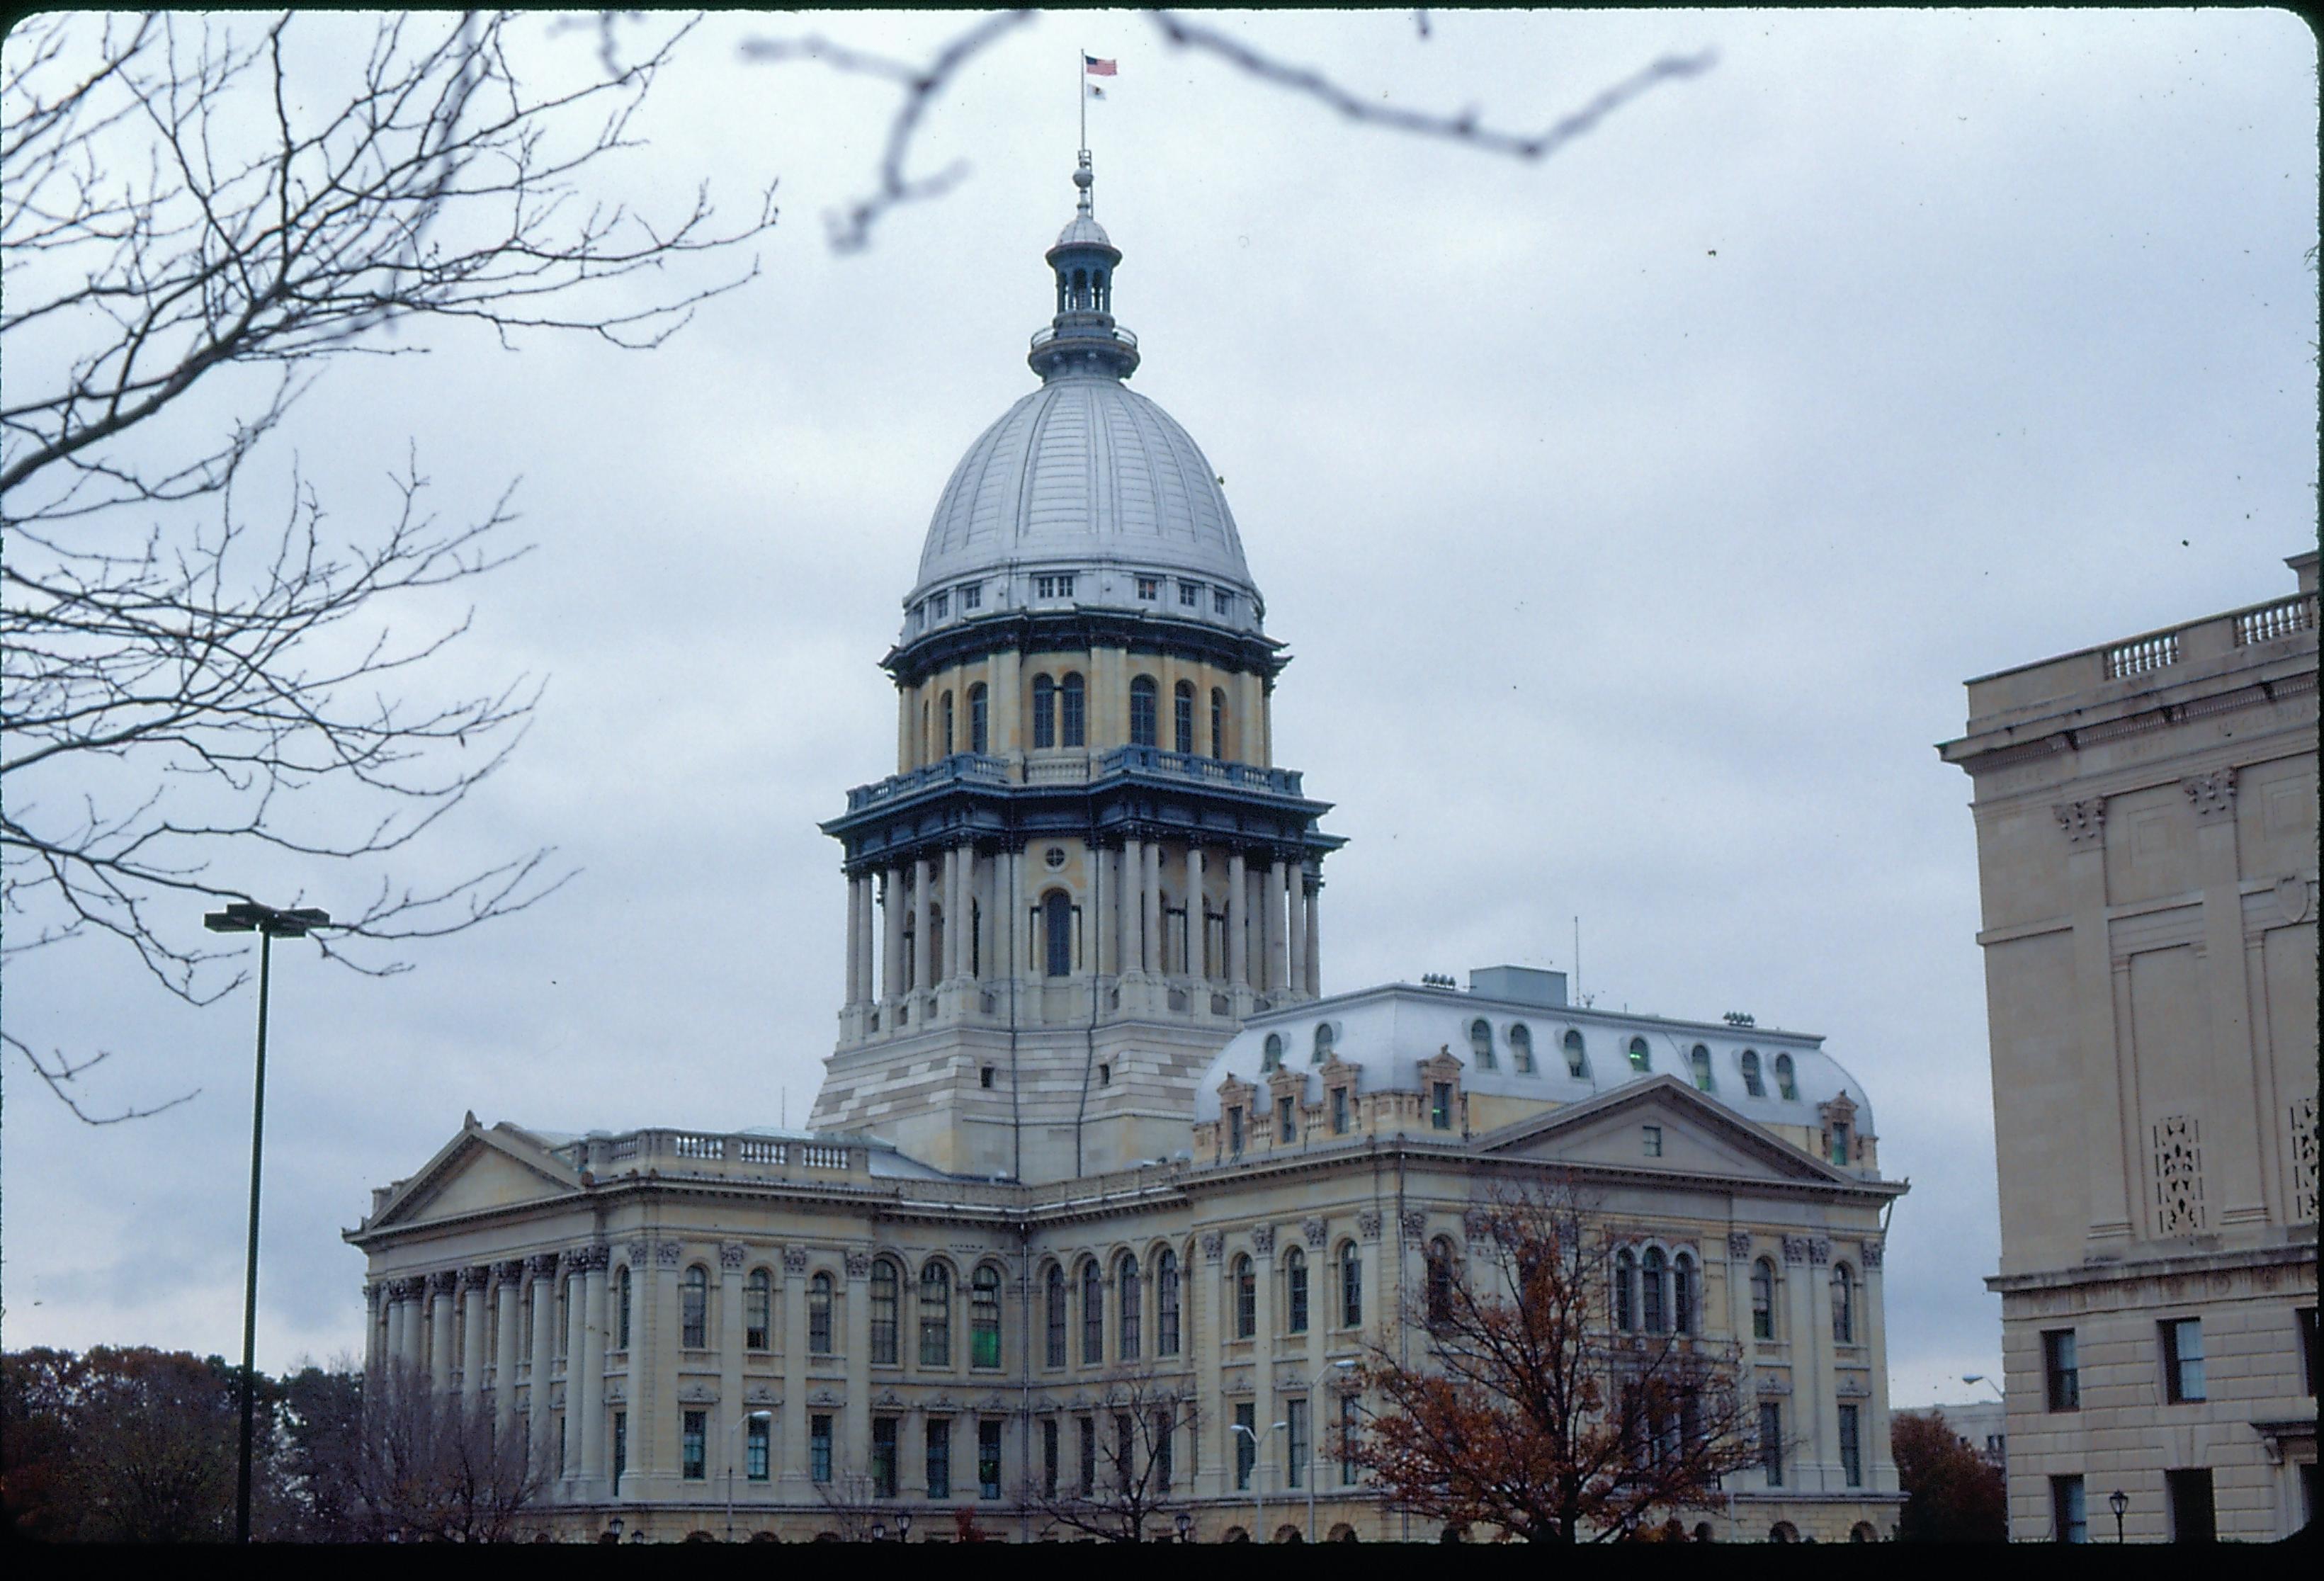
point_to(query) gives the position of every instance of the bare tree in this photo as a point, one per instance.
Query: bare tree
(1126, 1486)
(203, 695)
(429, 1466)
(1530, 1409)
(853, 1504)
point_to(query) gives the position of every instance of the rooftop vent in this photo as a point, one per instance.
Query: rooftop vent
(1436, 980)
(1519, 985)
(1737, 1018)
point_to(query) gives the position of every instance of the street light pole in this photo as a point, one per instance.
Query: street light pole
(269, 923)
(732, 1434)
(1315, 1436)
(1258, 1480)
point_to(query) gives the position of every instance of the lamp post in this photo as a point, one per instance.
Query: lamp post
(1314, 1436)
(1185, 1523)
(903, 1526)
(1989, 1384)
(2118, 1502)
(1258, 1480)
(270, 923)
(732, 1434)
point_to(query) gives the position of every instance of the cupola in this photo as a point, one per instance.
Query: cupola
(1083, 339)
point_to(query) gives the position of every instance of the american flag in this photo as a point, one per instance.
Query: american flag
(1097, 67)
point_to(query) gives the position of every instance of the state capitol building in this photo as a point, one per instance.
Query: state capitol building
(1092, 1139)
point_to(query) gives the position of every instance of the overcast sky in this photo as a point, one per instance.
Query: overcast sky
(1634, 519)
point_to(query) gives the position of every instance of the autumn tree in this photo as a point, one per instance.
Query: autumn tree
(1952, 1494)
(1124, 1485)
(1526, 1410)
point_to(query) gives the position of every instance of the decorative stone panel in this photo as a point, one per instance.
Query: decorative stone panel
(1819, 1251)
(2083, 822)
(1871, 1253)
(541, 1265)
(2212, 793)
(476, 1276)
(510, 1271)
(1796, 1249)
(1415, 1226)
(669, 1253)
(1739, 1243)
(2301, 1152)
(1215, 1245)
(641, 1254)
(2178, 1176)
(1314, 1230)
(444, 1281)
(1262, 1239)
(590, 1259)
(1367, 1223)
(794, 1260)
(859, 1263)
(730, 1256)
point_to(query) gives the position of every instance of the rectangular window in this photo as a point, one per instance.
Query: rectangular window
(1286, 1120)
(1049, 1457)
(1852, 1447)
(1339, 1111)
(1125, 1452)
(1440, 1105)
(2066, 1521)
(940, 1457)
(1087, 1427)
(987, 1459)
(883, 1456)
(621, 1448)
(1771, 1441)
(1053, 586)
(1840, 1144)
(2062, 1372)
(1164, 1427)
(1348, 1432)
(1654, 1141)
(1295, 1443)
(2193, 1516)
(692, 1455)
(563, 1463)
(1221, 601)
(1190, 593)
(973, 596)
(1150, 588)
(1245, 1447)
(755, 1436)
(943, 602)
(818, 1448)
(2182, 1360)
(1234, 1131)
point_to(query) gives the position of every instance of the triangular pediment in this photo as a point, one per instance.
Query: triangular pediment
(1698, 1137)
(478, 1171)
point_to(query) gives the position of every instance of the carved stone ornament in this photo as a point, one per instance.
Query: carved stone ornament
(1853, 1388)
(1367, 1223)
(641, 1254)
(759, 1394)
(476, 1276)
(616, 1393)
(794, 1260)
(1795, 1248)
(592, 1259)
(2083, 822)
(373, 1294)
(1215, 1245)
(823, 1396)
(2292, 897)
(509, 1271)
(1262, 1239)
(1819, 1251)
(889, 1400)
(1415, 1225)
(698, 1393)
(541, 1265)
(2212, 793)
(1476, 1225)
(444, 1281)
(730, 1256)
(1739, 1242)
(668, 1254)
(1872, 1252)
(859, 1264)
(1314, 1230)
(1774, 1383)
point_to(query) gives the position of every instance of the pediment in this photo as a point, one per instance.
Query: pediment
(1699, 1137)
(476, 1172)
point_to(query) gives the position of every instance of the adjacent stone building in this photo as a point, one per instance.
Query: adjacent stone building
(2147, 824)
(1095, 1158)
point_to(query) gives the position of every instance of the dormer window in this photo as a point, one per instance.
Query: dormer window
(1053, 586)
(972, 596)
(1190, 593)
(1440, 1105)
(943, 603)
(1639, 1059)
(1751, 1082)
(1785, 1086)
(1221, 601)
(1234, 1131)
(1272, 1057)
(1150, 588)
(1700, 1060)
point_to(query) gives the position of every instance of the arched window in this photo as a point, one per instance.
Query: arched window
(818, 1315)
(886, 1288)
(1577, 1061)
(1351, 1286)
(1682, 1294)
(1295, 1291)
(1752, 1084)
(1785, 1087)
(1044, 711)
(1093, 1315)
(1142, 702)
(1057, 933)
(980, 712)
(1763, 1300)
(1843, 1305)
(622, 1297)
(693, 1309)
(1130, 1303)
(1700, 1060)
(935, 1315)
(758, 1311)
(1322, 1043)
(1626, 1289)
(1440, 1280)
(1218, 723)
(948, 724)
(1246, 1298)
(1165, 1303)
(1081, 290)
(1272, 1057)
(1650, 1290)
(1481, 1042)
(1182, 718)
(1054, 1354)
(984, 1318)
(1073, 711)
(1639, 1059)
(1521, 1049)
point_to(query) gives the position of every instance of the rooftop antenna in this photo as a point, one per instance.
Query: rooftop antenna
(784, 1111)
(1577, 958)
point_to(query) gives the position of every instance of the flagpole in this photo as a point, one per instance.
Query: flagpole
(1081, 93)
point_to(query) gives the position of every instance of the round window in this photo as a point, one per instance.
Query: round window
(1055, 856)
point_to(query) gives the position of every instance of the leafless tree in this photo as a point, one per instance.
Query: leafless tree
(853, 1504)
(429, 1466)
(1126, 1486)
(205, 695)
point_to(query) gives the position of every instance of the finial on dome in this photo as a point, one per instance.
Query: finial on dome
(1084, 337)
(1084, 178)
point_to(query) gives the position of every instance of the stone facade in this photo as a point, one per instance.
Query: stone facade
(2146, 819)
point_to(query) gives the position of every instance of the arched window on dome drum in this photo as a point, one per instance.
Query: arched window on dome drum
(1104, 289)
(1577, 1059)
(1093, 1315)
(1480, 1043)
(1843, 1305)
(1650, 1290)
(1131, 1301)
(935, 1315)
(1763, 1300)
(1784, 1084)
(984, 1318)
(818, 1315)
(1081, 290)
(979, 737)
(1182, 718)
(1751, 1082)
(1272, 1057)
(948, 724)
(1217, 723)
(1044, 711)
(1700, 1060)
(1521, 1049)
(1295, 1290)
(885, 1296)
(1054, 1350)
(1246, 1298)
(1073, 711)
(693, 1309)
(1165, 1303)
(1142, 702)
(1057, 934)
(759, 1310)
(1639, 1059)
(1682, 1294)
(1322, 1043)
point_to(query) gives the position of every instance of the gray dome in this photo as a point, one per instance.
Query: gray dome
(1087, 477)
(1083, 231)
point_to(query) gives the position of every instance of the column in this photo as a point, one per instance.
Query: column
(1105, 917)
(1880, 1471)
(1278, 902)
(1818, 1407)
(1198, 925)
(475, 1343)
(2084, 823)
(508, 1280)
(962, 929)
(923, 962)
(375, 1309)
(584, 1375)
(727, 1422)
(1150, 950)
(1132, 911)
(541, 1289)
(854, 1452)
(1238, 912)
(2238, 1124)
(945, 967)
(441, 1288)
(794, 1404)
(1294, 953)
(854, 941)
(1268, 1474)
(892, 957)
(1021, 916)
